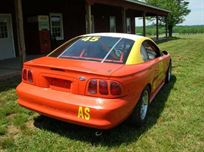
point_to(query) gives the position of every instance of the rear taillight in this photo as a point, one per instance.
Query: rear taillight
(104, 87)
(24, 74)
(27, 75)
(92, 88)
(30, 76)
(115, 88)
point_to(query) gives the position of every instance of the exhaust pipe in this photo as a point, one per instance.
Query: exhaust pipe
(98, 133)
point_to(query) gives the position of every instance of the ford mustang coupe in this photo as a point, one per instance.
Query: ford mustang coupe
(96, 80)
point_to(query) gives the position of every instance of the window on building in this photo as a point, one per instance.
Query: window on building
(56, 24)
(112, 24)
(128, 25)
(3, 30)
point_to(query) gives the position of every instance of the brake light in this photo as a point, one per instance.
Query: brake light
(103, 87)
(97, 87)
(92, 88)
(30, 76)
(115, 88)
(24, 74)
(27, 75)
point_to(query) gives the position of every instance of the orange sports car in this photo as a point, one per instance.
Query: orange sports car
(96, 80)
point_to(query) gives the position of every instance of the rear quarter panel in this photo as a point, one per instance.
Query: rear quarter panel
(142, 73)
(134, 79)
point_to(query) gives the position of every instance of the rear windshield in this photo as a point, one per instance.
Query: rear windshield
(96, 48)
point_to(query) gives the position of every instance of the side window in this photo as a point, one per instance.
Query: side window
(151, 49)
(144, 53)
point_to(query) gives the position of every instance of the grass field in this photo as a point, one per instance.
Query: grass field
(151, 30)
(175, 122)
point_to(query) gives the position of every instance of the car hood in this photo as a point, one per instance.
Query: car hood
(91, 67)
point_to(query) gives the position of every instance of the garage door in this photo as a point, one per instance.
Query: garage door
(7, 49)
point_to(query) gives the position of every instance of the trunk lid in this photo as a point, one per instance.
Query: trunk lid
(68, 75)
(96, 68)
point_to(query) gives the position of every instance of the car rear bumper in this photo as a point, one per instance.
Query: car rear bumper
(82, 110)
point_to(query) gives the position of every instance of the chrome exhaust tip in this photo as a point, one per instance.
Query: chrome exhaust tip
(98, 133)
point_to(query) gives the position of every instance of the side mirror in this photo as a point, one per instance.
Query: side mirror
(165, 52)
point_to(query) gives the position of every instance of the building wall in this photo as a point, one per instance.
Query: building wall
(8, 7)
(102, 15)
(73, 12)
(74, 19)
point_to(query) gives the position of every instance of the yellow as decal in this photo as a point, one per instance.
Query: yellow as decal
(84, 113)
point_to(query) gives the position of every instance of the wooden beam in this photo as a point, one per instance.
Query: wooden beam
(144, 24)
(157, 27)
(166, 27)
(88, 17)
(124, 20)
(133, 25)
(91, 2)
(20, 31)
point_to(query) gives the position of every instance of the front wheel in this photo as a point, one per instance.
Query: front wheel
(139, 114)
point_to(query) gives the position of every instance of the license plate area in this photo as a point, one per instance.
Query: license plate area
(59, 84)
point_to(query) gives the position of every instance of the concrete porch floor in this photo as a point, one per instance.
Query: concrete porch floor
(11, 67)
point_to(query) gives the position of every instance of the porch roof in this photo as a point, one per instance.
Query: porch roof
(134, 5)
(147, 5)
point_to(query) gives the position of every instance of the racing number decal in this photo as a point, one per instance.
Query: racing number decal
(91, 39)
(84, 113)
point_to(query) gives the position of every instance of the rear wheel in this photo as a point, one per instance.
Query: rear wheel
(169, 73)
(139, 113)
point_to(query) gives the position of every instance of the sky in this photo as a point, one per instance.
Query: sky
(196, 16)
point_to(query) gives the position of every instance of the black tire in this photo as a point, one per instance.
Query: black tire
(168, 73)
(138, 116)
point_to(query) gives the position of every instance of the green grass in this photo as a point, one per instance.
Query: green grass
(151, 30)
(196, 29)
(175, 122)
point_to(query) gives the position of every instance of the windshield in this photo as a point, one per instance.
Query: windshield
(96, 48)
